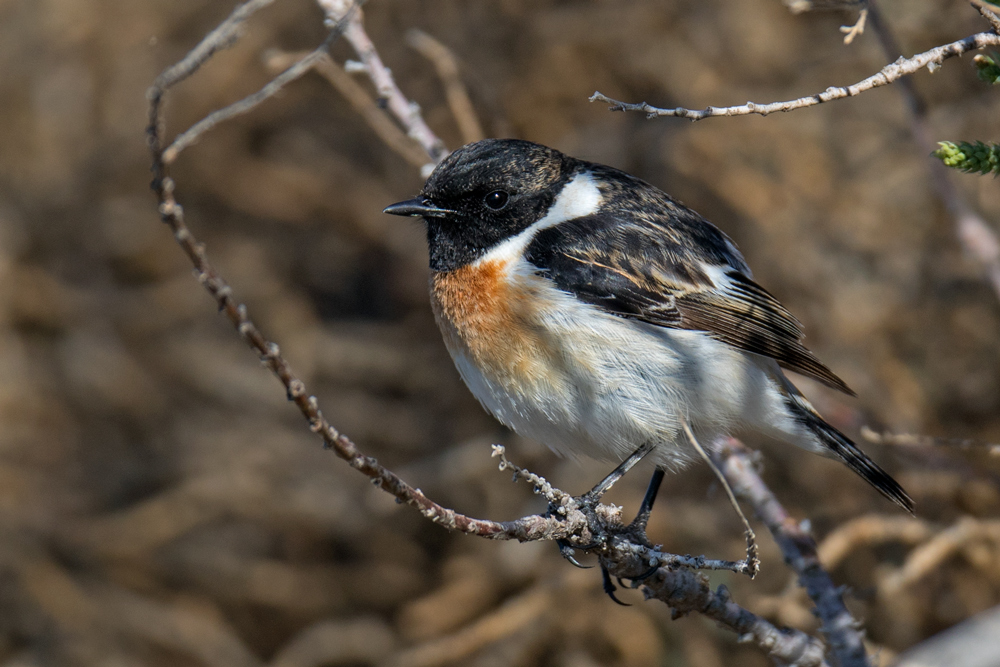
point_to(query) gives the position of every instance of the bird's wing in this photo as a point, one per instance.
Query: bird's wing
(685, 275)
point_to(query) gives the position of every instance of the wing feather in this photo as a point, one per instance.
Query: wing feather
(685, 276)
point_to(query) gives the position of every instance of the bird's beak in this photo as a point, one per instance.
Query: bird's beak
(419, 206)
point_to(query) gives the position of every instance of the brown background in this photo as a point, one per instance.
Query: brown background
(160, 501)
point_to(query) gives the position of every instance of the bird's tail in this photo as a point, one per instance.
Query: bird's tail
(848, 452)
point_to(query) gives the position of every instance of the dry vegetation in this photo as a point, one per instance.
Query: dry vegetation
(161, 503)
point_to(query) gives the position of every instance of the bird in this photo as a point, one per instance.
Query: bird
(590, 311)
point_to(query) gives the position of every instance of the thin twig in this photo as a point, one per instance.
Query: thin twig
(405, 111)
(224, 36)
(799, 549)
(852, 31)
(989, 11)
(888, 74)
(251, 101)
(363, 103)
(926, 558)
(870, 530)
(447, 69)
(911, 440)
(541, 485)
(752, 563)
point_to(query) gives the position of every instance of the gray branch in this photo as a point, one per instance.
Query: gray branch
(902, 67)
(841, 629)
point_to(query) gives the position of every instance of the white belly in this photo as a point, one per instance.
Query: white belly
(609, 385)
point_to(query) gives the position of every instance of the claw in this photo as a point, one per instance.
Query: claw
(609, 587)
(647, 574)
(642, 577)
(567, 552)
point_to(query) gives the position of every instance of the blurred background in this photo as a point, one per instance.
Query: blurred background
(161, 503)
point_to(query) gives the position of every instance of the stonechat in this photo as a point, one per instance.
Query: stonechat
(590, 311)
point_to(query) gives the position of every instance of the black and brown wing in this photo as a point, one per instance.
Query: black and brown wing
(687, 275)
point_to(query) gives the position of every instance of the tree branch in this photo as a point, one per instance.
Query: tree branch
(685, 591)
(799, 548)
(405, 111)
(386, 129)
(902, 67)
(989, 12)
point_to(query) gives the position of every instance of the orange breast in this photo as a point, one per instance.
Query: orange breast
(492, 318)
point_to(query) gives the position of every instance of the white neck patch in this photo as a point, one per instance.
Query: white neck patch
(578, 198)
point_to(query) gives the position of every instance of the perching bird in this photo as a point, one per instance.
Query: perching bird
(592, 312)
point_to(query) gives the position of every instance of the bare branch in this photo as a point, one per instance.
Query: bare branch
(873, 529)
(927, 557)
(405, 111)
(902, 67)
(989, 12)
(447, 69)
(247, 104)
(224, 36)
(799, 549)
(852, 31)
(362, 102)
(910, 440)
(685, 591)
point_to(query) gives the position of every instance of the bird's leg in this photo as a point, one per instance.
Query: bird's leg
(595, 494)
(591, 498)
(642, 517)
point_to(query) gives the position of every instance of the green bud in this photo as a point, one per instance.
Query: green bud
(988, 67)
(973, 158)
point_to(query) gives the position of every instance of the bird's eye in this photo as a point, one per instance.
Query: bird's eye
(496, 200)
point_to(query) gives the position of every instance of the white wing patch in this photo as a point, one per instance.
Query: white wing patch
(718, 276)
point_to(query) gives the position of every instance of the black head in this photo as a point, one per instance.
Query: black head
(484, 193)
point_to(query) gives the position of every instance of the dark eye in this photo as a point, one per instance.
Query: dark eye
(496, 200)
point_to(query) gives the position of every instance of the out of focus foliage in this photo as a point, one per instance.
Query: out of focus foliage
(970, 157)
(975, 157)
(988, 67)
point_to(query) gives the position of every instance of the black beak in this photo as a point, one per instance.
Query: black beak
(419, 206)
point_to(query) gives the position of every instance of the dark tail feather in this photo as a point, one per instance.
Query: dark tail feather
(858, 461)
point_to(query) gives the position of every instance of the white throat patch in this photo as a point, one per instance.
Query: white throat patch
(578, 198)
